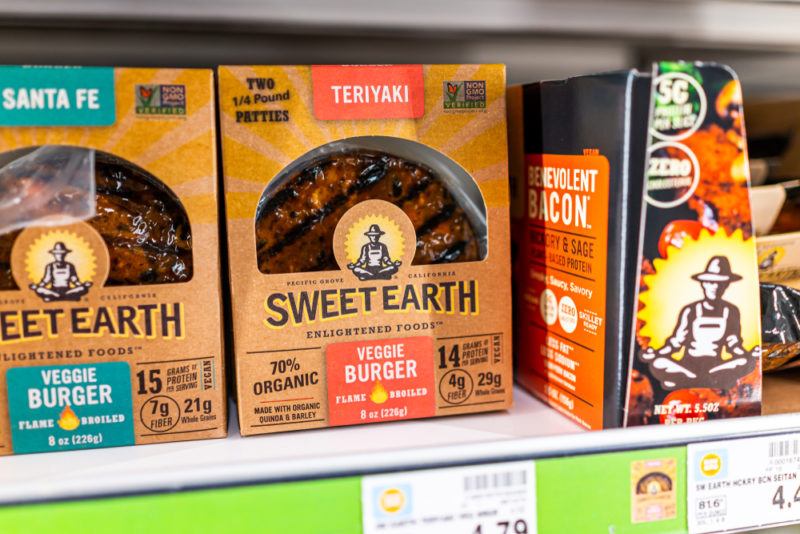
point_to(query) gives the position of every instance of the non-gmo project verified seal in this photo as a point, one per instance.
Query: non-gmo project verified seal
(464, 94)
(160, 99)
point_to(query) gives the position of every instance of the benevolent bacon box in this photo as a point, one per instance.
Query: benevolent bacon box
(109, 262)
(367, 213)
(635, 266)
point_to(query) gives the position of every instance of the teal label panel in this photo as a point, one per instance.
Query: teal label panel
(57, 96)
(67, 407)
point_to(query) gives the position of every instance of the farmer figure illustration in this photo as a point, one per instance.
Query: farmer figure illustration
(705, 349)
(374, 262)
(60, 280)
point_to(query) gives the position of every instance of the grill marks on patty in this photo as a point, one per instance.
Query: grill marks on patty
(144, 226)
(295, 226)
(6, 242)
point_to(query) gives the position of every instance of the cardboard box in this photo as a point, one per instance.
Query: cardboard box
(777, 231)
(368, 239)
(110, 309)
(772, 127)
(780, 392)
(632, 219)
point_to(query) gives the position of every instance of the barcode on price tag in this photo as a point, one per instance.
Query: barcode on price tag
(784, 447)
(743, 484)
(495, 480)
(484, 499)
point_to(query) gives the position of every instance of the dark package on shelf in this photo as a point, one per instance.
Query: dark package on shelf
(635, 270)
(780, 320)
(367, 212)
(110, 306)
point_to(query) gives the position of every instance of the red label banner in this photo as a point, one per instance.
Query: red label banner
(380, 380)
(358, 92)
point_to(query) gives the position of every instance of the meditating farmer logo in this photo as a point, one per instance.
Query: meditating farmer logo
(705, 349)
(374, 262)
(60, 266)
(374, 240)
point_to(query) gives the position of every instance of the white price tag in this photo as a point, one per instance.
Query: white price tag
(484, 499)
(743, 484)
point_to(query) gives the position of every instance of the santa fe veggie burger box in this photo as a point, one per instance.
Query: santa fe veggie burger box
(367, 211)
(109, 277)
(635, 270)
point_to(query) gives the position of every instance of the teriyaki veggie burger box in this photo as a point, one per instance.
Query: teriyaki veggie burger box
(109, 268)
(367, 212)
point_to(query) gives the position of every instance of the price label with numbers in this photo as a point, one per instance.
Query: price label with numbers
(484, 499)
(744, 484)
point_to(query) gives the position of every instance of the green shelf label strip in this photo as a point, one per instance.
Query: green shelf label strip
(638, 491)
(322, 506)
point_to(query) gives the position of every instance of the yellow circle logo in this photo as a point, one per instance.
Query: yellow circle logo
(374, 246)
(374, 229)
(60, 265)
(392, 500)
(710, 464)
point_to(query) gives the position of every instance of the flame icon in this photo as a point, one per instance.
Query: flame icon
(68, 419)
(379, 394)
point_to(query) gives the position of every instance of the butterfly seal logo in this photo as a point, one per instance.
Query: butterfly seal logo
(464, 95)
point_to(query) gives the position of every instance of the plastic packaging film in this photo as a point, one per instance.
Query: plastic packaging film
(780, 325)
(143, 224)
(301, 207)
(50, 186)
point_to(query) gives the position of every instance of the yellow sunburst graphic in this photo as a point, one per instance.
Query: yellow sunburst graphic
(672, 287)
(475, 141)
(80, 255)
(356, 237)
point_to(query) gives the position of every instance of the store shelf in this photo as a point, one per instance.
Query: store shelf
(536, 39)
(311, 481)
(287, 456)
(707, 21)
(529, 431)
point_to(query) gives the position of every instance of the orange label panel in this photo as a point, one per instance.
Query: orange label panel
(380, 380)
(563, 258)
